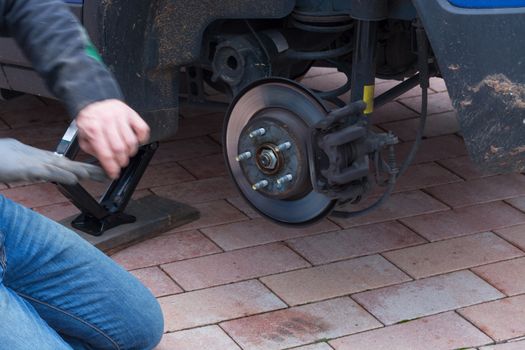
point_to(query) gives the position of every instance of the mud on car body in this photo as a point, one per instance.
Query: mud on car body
(296, 154)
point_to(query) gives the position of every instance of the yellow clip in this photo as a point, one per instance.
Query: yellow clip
(368, 97)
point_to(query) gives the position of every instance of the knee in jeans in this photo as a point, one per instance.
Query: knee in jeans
(146, 326)
(152, 327)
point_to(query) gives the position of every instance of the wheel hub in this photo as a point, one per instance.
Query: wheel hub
(268, 129)
(276, 138)
(268, 159)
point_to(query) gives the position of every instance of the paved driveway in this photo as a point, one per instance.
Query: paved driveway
(440, 266)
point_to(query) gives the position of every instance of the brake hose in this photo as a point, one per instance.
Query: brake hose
(422, 44)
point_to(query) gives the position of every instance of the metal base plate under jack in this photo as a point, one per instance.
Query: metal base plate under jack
(154, 215)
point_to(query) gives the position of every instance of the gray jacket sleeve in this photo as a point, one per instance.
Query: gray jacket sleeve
(59, 49)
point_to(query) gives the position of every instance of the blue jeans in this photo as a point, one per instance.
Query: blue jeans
(59, 292)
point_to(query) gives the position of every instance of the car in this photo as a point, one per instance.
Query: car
(294, 153)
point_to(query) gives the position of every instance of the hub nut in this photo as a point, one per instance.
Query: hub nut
(268, 159)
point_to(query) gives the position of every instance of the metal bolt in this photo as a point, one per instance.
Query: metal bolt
(259, 185)
(284, 146)
(284, 179)
(243, 156)
(268, 159)
(258, 132)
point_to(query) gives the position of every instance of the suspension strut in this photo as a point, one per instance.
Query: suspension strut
(391, 165)
(367, 14)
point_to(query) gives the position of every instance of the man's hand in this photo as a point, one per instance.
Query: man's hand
(24, 163)
(112, 132)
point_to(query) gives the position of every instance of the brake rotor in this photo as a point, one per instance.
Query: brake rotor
(266, 147)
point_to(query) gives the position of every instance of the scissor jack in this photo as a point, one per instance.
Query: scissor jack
(99, 216)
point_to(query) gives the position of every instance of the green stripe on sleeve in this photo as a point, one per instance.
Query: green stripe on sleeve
(92, 52)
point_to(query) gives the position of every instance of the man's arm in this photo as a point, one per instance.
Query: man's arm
(59, 49)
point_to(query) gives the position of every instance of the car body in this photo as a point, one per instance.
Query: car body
(163, 50)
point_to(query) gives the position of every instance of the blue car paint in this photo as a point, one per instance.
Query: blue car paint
(484, 4)
(459, 3)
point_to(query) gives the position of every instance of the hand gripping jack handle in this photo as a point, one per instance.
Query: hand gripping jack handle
(99, 216)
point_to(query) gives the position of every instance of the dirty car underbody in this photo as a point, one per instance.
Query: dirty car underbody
(297, 154)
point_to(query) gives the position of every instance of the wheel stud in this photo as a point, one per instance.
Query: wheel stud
(258, 132)
(284, 179)
(243, 156)
(259, 185)
(284, 146)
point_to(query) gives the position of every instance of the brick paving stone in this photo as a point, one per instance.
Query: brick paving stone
(518, 203)
(399, 205)
(437, 125)
(438, 84)
(21, 184)
(439, 332)
(334, 280)
(480, 191)
(58, 211)
(199, 191)
(35, 116)
(234, 266)
(414, 92)
(217, 304)
(38, 195)
(426, 297)
(392, 111)
(507, 276)
(206, 167)
(501, 319)
(165, 249)
(316, 346)
(515, 235)
(164, 174)
(260, 231)
(433, 149)
(388, 84)
(437, 103)
(354, 242)
(464, 221)
(185, 149)
(300, 325)
(34, 136)
(212, 214)
(324, 83)
(514, 345)
(465, 167)
(141, 194)
(315, 71)
(157, 281)
(21, 103)
(95, 188)
(217, 137)
(203, 338)
(241, 204)
(453, 254)
(99, 188)
(425, 175)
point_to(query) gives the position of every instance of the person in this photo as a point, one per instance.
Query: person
(56, 290)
